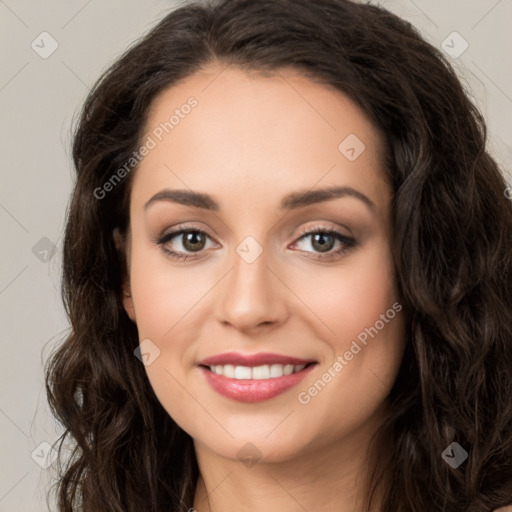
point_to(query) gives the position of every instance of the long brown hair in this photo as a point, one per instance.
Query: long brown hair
(452, 246)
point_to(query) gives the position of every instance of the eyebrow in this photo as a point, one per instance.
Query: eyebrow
(291, 201)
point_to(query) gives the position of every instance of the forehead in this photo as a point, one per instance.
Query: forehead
(254, 132)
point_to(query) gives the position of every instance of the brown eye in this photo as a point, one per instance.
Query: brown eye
(191, 241)
(320, 243)
(323, 241)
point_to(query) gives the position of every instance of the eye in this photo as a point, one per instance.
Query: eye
(191, 239)
(324, 240)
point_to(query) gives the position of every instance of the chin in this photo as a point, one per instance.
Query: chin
(255, 445)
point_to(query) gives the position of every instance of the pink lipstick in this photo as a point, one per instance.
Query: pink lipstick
(255, 377)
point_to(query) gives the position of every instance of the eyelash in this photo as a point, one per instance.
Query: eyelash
(347, 242)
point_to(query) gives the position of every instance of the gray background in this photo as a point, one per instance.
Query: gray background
(39, 99)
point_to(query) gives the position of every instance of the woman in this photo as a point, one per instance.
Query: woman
(287, 267)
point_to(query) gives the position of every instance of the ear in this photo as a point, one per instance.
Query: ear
(122, 250)
(128, 302)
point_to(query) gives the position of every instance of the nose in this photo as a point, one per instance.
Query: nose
(252, 295)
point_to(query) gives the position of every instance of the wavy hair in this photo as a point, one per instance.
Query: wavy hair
(452, 248)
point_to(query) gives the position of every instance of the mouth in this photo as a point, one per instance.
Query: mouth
(253, 381)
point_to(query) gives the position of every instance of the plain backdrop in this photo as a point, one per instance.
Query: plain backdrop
(52, 53)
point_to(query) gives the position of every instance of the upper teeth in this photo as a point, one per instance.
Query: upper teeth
(266, 371)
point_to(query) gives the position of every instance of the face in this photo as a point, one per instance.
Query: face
(232, 292)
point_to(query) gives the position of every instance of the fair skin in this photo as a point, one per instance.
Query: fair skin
(250, 141)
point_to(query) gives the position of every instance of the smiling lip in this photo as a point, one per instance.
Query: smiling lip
(253, 390)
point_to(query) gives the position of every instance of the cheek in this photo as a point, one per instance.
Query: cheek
(361, 309)
(169, 304)
(352, 296)
(164, 300)
(164, 296)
